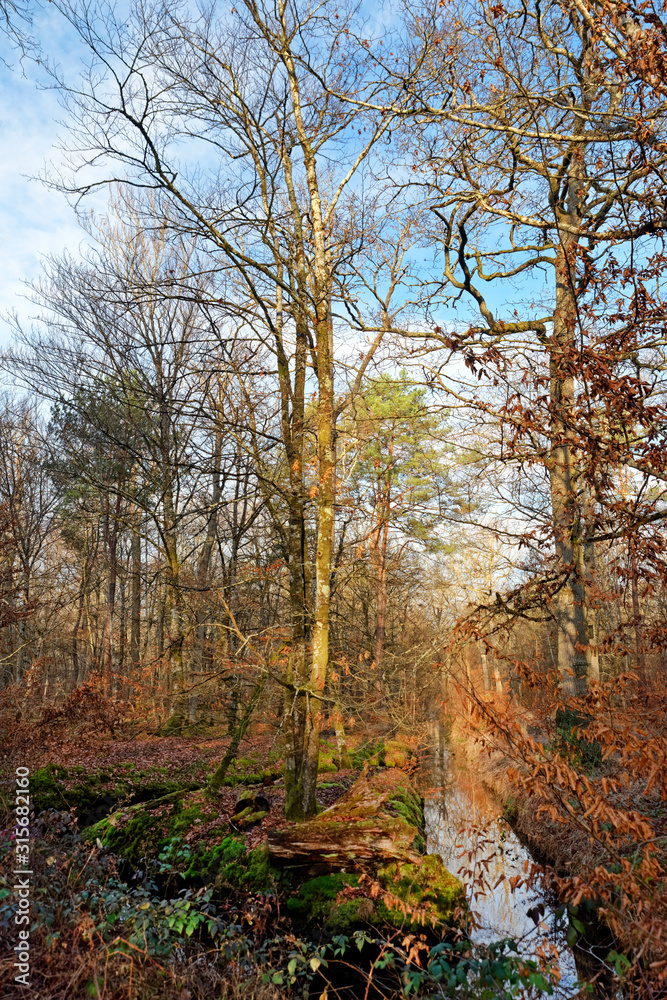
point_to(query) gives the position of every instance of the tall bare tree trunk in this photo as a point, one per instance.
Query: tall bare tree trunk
(111, 539)
(567, 522)
(204, 569)
(325, 540)
(135, 601)
(381, 615)
(175, 618)
(295, 704)
(122, 638)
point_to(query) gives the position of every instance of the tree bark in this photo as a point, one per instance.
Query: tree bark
(638, 619)
(485, 667)
(111, 524)
(381, 615)
(135, 601)
(570, 597)
(204, 567)
(220, 773)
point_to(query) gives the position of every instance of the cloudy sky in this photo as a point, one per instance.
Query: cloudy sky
(33, 219)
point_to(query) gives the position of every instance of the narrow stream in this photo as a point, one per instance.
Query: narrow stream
(462, 819)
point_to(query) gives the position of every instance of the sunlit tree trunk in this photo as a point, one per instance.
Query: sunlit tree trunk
(563, 474)
(295, 704)
(486, 680)
(381, 613)
(204, 571)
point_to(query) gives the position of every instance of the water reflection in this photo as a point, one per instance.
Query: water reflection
(465, 827)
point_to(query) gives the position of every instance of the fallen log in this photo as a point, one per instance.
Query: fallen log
(334, 846)
(362, 861)
(378, 820)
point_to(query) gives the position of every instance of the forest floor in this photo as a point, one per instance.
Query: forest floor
(161, 924)
(134, 760)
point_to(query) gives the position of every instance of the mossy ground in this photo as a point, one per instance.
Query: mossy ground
(376, 829)
(189, 841)
(316, 902)
(384, 752)
(250, 770)
(137, 833)
(230, 866)
(91, 793)
(418, 896)
(426, 888)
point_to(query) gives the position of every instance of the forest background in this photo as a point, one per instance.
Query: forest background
(354, 405)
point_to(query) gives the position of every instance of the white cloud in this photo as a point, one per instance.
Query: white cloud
(34, 220)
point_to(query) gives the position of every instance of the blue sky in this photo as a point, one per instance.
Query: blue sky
(36, 221)
(33, 219)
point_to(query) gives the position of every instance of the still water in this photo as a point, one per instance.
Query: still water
(464, 825)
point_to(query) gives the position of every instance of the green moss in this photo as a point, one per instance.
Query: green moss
(236, 868)
(259, 875)
(249, 771)
(316, 902)
(248, 817)
(418, 845)
(47, 790)
(183, 819)
(405, 802)
(382, 753)
(380, 800)
(55, 787)
(131, 840)
(397, 754)
(239, 816)
(137, 833)
(429, 893)
(243, 775)
(328, 762)
(168, 834)
(381, 816)
(426, 887)
(373, 752)
(220, 860)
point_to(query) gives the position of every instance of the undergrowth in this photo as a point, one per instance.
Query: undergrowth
(96, 935)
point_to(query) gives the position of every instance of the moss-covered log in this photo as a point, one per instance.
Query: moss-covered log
(375, 830)
(378, 820)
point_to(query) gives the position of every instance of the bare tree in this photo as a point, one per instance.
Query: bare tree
(276, 202)
(533, 172)
(29, 504)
